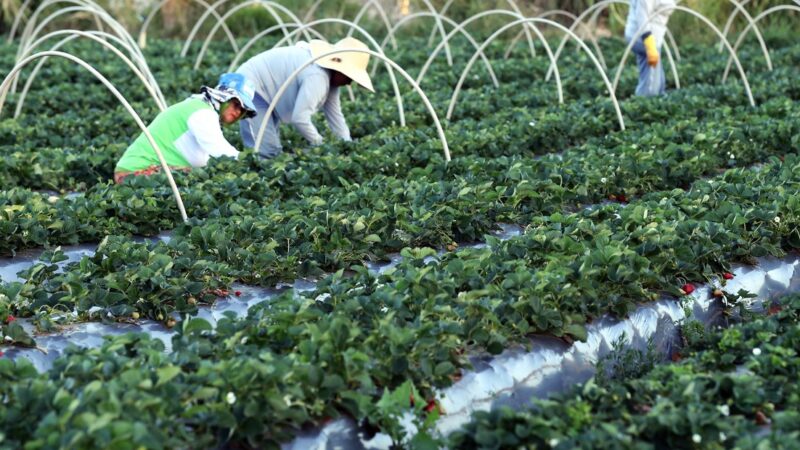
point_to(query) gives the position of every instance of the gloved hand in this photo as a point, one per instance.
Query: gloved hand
(650, 47)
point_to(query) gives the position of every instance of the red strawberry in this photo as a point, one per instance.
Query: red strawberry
(761, 418)
(411, 399)
(622, 198)
(431, 406)
(10, 318)
(238, 293)
(727, 276)
(1, 353)
(687, 288)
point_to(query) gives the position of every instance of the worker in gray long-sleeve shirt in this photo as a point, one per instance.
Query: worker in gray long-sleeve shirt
(316, 87)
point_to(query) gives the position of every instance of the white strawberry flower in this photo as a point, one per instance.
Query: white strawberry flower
(603, 180)
(756, 351)
(725, 410)
(230, 398)
(696, 438)
(777, 219)
(553, 442)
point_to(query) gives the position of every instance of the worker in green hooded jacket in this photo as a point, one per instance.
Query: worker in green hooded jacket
(189, 133)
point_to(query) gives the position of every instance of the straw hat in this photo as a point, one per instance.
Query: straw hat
(352, 64)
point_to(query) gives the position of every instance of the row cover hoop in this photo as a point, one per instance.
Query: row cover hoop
(88, 6)
(753, 26)
(462, 25)
(268, 5)
(381, 56)
(703, 19)
(95, 36)
(597, 8)
(739, 7)
(557, 25)
(381, 12)
(143, 32)
(21, 14)
(97, 12)
(514, 8)
(225, 17)
(567, 14)
(254, 39)
(368, 37)
(4, 86)
(450, 22)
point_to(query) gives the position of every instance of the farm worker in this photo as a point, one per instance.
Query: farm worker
(189, 133)
(316, 87)
(650, 18)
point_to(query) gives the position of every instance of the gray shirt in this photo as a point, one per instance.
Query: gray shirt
(309, 92)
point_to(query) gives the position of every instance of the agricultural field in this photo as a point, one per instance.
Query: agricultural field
(361, 284)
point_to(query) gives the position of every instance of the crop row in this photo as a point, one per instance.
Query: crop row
(731, 388)
(344, 348)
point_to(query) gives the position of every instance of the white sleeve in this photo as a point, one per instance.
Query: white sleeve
(204, 125)
(313, 91)
(658, 24)
(333, 112)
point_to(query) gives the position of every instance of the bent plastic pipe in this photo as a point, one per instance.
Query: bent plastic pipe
(450, 22)
(267, 4)
(489, 40)
(227, 15)
(72, 35)
(458, 28)
(557, 25)
(703, 19)
(383, 57)
(261, 34)
(750, 26)
(20, 65)
(381, 12)
(143, 32)
(596, 8)
(573, 17)
(372, 41)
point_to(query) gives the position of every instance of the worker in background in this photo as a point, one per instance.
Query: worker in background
(189, 133)
(316, 87)
(650, 17)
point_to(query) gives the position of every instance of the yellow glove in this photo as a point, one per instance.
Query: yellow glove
(652, 51)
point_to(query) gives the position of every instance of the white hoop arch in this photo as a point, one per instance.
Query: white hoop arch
(738, 7)
(514, 7)
(560, 27)
(146, 24)
(18, 67)
(261, 34)
(753, 26)
(439, 25)
(703, 19)
(97, 12)
(461, 26)
(381, 12)
(569, 15)
(285, 85)
(134, 54)
(268, 5)
(225, 17)
(72, 35)
(450, 22)
(365, 33)
(25, 5)
(597, 8)
(83, 6)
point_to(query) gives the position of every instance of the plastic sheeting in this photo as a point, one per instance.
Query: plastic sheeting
(513, 378)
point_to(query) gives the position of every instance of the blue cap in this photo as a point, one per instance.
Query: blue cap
(238, 86)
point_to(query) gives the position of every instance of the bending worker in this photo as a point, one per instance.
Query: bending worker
(650, 17)
(189, 133)
(316, 87)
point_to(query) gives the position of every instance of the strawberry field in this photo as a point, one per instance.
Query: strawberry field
(357, 287)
